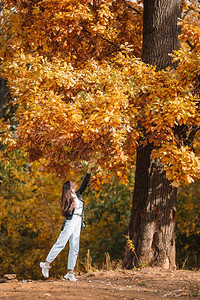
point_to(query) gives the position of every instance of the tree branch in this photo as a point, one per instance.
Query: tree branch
(192, 134)
(191, 46)
(133, 8)
(4, 22)
(111, 43)
(1, 5)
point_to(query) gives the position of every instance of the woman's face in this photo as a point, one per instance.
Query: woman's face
(73, 185)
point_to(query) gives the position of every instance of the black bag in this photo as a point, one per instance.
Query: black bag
(83, 224)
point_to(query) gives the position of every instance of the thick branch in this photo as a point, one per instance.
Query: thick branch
(192, 135)
(180, 132)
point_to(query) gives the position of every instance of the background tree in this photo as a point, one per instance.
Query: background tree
(30, 214)
(187, 227)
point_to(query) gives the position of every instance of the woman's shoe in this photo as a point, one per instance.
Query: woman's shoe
(45, 269)
(70, 277)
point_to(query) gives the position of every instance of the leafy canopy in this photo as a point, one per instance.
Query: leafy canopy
(83, 95)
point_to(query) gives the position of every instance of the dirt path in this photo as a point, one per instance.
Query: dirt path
(147, 284)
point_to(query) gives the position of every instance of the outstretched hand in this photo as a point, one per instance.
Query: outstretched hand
(90, 166)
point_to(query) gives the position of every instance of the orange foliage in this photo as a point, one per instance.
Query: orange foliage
(72, 107)
(77, 30)
(190, 29)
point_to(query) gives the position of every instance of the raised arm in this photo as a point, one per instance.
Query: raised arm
(87, 178)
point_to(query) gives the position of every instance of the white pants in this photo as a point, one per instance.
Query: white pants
(70, 232)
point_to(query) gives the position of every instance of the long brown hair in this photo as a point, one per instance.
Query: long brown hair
(66, 196)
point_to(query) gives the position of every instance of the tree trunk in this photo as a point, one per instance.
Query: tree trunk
(160, 31)
(152, 223)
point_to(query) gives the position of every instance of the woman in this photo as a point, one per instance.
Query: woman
(72, 206)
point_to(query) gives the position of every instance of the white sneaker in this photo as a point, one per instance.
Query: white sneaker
(45, 269)
(70, 277)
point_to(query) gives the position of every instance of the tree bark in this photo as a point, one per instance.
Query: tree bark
(152, 222)
(160, 31)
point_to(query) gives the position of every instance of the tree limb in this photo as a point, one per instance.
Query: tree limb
(4, 22)
(136, 10)
(111, 43)
(192, 134)
(1, 5)
(190, 44)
